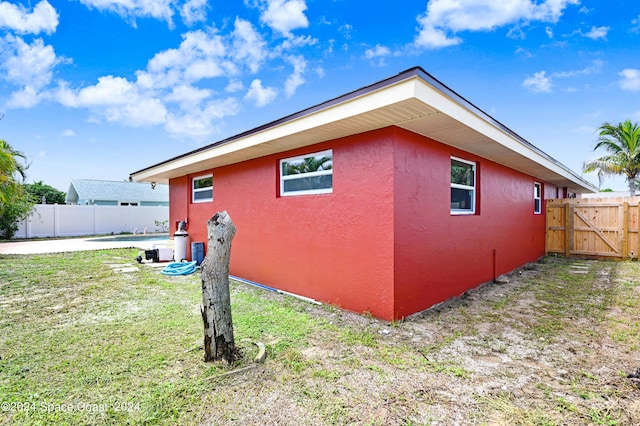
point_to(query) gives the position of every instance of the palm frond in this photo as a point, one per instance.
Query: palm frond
(622, 143)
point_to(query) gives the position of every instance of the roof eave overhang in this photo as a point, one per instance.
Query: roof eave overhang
(412, 100)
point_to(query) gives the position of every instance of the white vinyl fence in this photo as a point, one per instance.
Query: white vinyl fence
(61, 220)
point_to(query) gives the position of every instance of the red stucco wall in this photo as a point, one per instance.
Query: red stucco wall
(384, 241)
(336, 248)
(439, 255)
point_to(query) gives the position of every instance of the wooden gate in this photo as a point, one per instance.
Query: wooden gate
(593, 227)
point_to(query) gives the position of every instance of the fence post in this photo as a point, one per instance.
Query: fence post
(27, 225)
(95, 220)
(625, 230)
(637, 245)
(56, 221)
(568, 228)
(546, 229)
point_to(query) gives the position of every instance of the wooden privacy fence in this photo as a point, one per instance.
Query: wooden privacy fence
(594, 227)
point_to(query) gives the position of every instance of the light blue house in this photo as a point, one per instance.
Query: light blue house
(116, 193)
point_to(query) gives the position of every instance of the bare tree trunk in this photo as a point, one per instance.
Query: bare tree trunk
(216, 310)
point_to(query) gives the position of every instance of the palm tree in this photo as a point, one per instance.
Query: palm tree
(622, 143)
(10, 166)
(15, 203)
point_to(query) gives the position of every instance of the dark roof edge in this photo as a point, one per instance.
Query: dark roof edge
(404, 75)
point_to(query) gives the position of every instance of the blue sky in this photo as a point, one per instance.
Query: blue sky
(97, 89)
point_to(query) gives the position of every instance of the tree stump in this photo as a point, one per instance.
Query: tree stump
(216, 301)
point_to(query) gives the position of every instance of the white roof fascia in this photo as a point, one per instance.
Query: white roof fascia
(438, 100)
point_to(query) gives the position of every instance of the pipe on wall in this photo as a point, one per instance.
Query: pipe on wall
(495, 264)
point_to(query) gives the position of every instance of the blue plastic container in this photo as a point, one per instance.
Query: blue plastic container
(197, 252)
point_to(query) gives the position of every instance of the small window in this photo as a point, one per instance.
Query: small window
(202, 189)
(537, 198)
(307, 174)
(463, 186)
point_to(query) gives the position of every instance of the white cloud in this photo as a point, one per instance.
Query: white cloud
(630, 79)
(377, 55)
(176, 89)
(545, 11)
(234, 86)
(188, 96)
(595, 68)
(117, 100)
(636, 24)
(516, 32)
(26, 64)
(193, 11)
(296, 79)
(221, 108)
(202, 69)
(26, 97)
(346, 30)
(377, 52)
(109, 91)
(64, 95)
(132, 9)
(17, 18)
(260, 95)
(248, 46)
(193, 125)
(201, 122)
(432, 37)
(200, 55)
(171, 92)
(146, 112)
(524, 52)
(68, 133)
(549, 32)
(539, 83)
(597, 32)
(444, 18)
(297, 42)
(285, 15)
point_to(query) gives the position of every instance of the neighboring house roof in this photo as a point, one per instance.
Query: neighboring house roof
(413, 100)
(88, 189)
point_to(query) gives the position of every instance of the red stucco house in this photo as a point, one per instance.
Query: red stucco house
(386, 200)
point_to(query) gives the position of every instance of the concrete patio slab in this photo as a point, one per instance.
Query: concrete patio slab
(71, 244)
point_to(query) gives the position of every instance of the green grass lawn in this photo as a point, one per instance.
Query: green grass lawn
(82, 344)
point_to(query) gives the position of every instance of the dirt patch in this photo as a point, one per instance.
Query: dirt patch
(552, 346)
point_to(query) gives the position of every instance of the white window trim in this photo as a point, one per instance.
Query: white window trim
(194, 190)
(283, 179)
(474, 201)
(537, 195)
